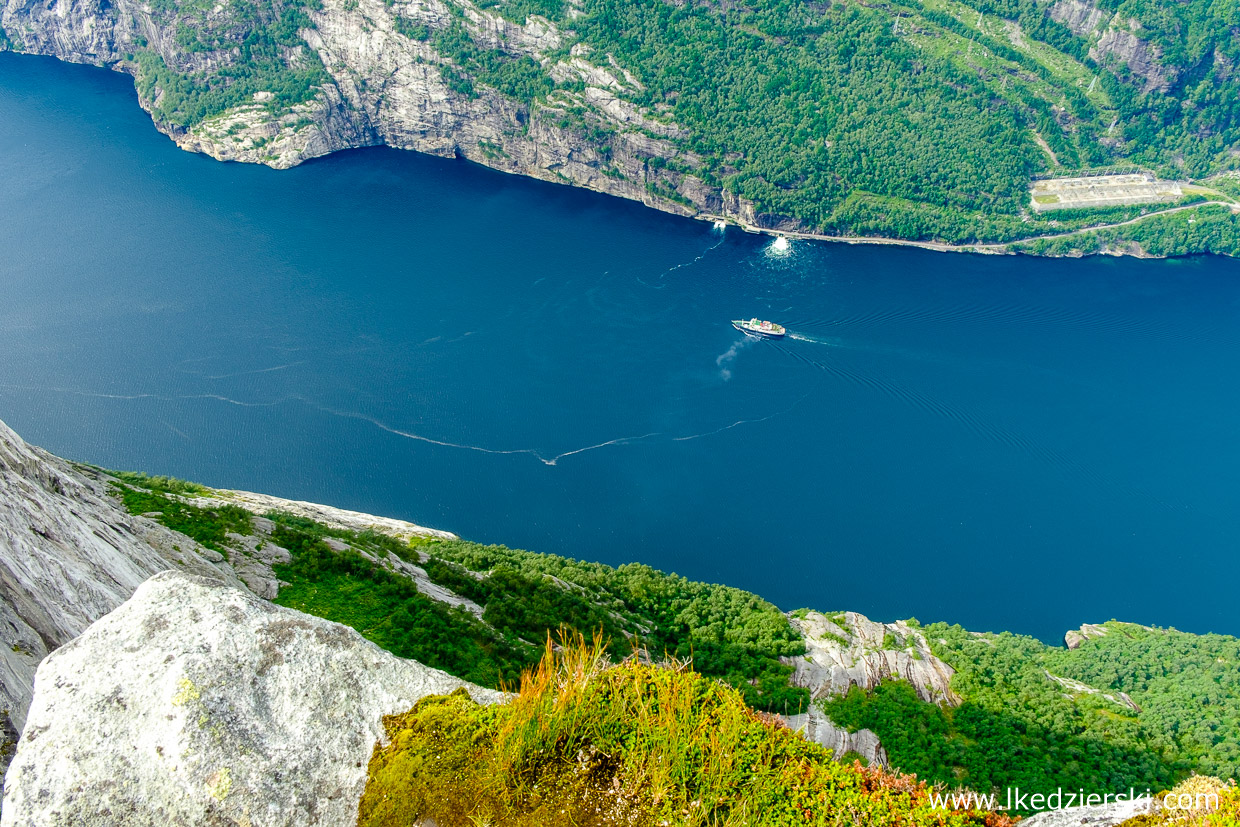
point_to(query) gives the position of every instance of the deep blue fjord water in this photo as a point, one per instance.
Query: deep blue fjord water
(1002, 442)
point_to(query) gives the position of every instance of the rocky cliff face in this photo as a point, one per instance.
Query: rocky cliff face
(1115, 38)
(69, 554)
(846, 649)
(820, 729)
(215, 707)
(198, 702)
(385, 87)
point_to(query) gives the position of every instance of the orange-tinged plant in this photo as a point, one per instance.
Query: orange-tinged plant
(586, 742)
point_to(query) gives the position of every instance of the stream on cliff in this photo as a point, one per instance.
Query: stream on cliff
(1003, 442)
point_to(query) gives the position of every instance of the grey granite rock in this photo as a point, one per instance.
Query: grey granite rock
(817, 727)
(847, 649)
(1103, 815)
(195, 703)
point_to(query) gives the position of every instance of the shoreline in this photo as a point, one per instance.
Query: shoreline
(735, 208)
(1000, 248)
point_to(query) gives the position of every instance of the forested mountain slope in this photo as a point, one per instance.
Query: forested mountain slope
(1128, 707)
(908, 119)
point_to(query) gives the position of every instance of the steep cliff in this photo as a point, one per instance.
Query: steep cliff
(820, 729)
(1115, 38)
(381, 86)
(846, 649)
(837, 120)
(76, 541)
(69, 554)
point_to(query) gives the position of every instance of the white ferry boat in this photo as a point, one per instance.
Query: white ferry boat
(754, 327)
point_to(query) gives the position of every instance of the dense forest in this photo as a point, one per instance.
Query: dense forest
(920, 119)
(1019, 727)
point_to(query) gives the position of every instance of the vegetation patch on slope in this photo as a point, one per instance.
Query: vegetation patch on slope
(1208, 229)
(588, 743)
(389, 610)
(516, 76)
(265, 53)
(209, 526)
(726, 632)
(1018, 727)
(1200, 801)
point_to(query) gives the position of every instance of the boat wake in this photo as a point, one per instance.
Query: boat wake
(549, 460)
(813, 340)
(680, 266)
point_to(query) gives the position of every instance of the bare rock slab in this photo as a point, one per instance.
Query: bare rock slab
(195, 703)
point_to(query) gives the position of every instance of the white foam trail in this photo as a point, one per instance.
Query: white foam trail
(621, 441)
(161, 397)
(720, 226)
(676, 267)
(545, 460)
(418, 437)
(259, 370)
(740, 422)
(478, 448)
(73, 392)
(236, 402)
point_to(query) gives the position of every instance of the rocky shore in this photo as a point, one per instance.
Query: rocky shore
(384, 87)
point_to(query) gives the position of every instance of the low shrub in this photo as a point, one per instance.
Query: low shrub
(586, 742)
(209, 526)
(1198, 801)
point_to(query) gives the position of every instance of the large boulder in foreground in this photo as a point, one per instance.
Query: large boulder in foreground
(194, 703)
